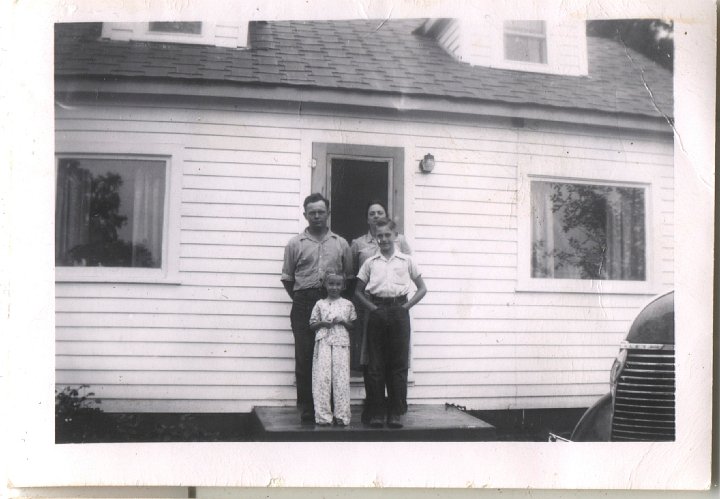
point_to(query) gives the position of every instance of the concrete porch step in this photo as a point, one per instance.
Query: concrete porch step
(423, 423)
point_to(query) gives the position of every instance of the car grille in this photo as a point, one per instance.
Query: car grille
(644, 405)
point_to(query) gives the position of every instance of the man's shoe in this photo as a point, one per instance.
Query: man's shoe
(394, 421)
(376, 422)
(307, 417)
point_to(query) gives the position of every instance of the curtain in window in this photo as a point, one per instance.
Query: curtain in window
(72, 207)
(585, 231)
(148, 214)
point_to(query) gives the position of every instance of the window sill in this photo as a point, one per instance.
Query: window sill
(114, 276)
(593, 286)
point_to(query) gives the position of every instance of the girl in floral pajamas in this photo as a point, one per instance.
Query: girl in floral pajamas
(331, 319)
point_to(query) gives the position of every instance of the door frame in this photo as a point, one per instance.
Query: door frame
(322, 153)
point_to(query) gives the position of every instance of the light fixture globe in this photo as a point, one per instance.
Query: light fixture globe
(427, 163)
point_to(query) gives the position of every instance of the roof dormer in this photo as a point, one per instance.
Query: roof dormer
(536, 45)
(220, 34)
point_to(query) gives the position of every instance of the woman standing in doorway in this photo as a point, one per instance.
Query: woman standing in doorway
(362, 248)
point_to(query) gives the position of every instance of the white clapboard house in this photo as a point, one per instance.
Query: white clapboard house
(542, 217)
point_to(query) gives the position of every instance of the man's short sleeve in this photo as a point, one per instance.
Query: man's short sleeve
(289, 260)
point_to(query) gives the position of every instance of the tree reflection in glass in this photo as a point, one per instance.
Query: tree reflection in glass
(585, 231)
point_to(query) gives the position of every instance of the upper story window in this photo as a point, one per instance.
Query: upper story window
(189, 28)
(587, 231)
(525, 41)
(109, 212)
(227, 33)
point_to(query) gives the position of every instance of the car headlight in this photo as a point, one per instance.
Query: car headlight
(616, 369)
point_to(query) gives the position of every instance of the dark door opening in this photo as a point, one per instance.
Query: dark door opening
(353, 183)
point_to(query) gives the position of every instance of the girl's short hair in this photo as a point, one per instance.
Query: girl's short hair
(376, 201)
(386, 222)
(334, 274)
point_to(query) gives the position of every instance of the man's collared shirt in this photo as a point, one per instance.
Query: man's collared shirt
(307, 260)
(389, 277)
(365, 246)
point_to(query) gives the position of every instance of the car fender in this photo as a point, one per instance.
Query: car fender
(596, 424)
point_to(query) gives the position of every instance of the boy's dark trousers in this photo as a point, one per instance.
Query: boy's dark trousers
(303, 302)
(388, 348)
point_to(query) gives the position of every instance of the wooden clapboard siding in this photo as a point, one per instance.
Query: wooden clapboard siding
(220, 339)
(184, 335)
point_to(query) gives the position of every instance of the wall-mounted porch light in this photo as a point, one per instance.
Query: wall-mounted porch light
(427, 163)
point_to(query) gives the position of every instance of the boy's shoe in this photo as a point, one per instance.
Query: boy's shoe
(376, 422)
(394, 421)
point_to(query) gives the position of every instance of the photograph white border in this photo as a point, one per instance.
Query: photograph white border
(27, 268)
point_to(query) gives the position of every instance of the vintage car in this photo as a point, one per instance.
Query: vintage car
(641, 402)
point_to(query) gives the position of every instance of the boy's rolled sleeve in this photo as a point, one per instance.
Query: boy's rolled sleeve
(364, 272)
(413, 269)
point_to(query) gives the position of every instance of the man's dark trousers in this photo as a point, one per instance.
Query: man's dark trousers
(388, 348)
(303, 302)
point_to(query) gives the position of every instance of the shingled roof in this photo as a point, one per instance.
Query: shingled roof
(371, 56)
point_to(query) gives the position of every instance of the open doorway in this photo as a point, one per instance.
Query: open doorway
(354, 182)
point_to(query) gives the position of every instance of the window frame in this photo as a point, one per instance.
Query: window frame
(169, 269)
(529, 35)
(583, 172)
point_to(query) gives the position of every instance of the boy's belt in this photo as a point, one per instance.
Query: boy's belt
(378, 300)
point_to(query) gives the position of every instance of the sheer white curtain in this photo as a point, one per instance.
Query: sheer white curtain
(147, 228)
(72, 207)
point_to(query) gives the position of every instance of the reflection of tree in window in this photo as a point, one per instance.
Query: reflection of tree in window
(583, 231)
(101, 221)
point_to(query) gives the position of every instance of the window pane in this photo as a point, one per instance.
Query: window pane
(520, 48)
(525, 41)
(109, 212)
(585, 231)
(178, 27)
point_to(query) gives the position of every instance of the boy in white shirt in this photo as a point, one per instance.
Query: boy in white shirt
(384, 281)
